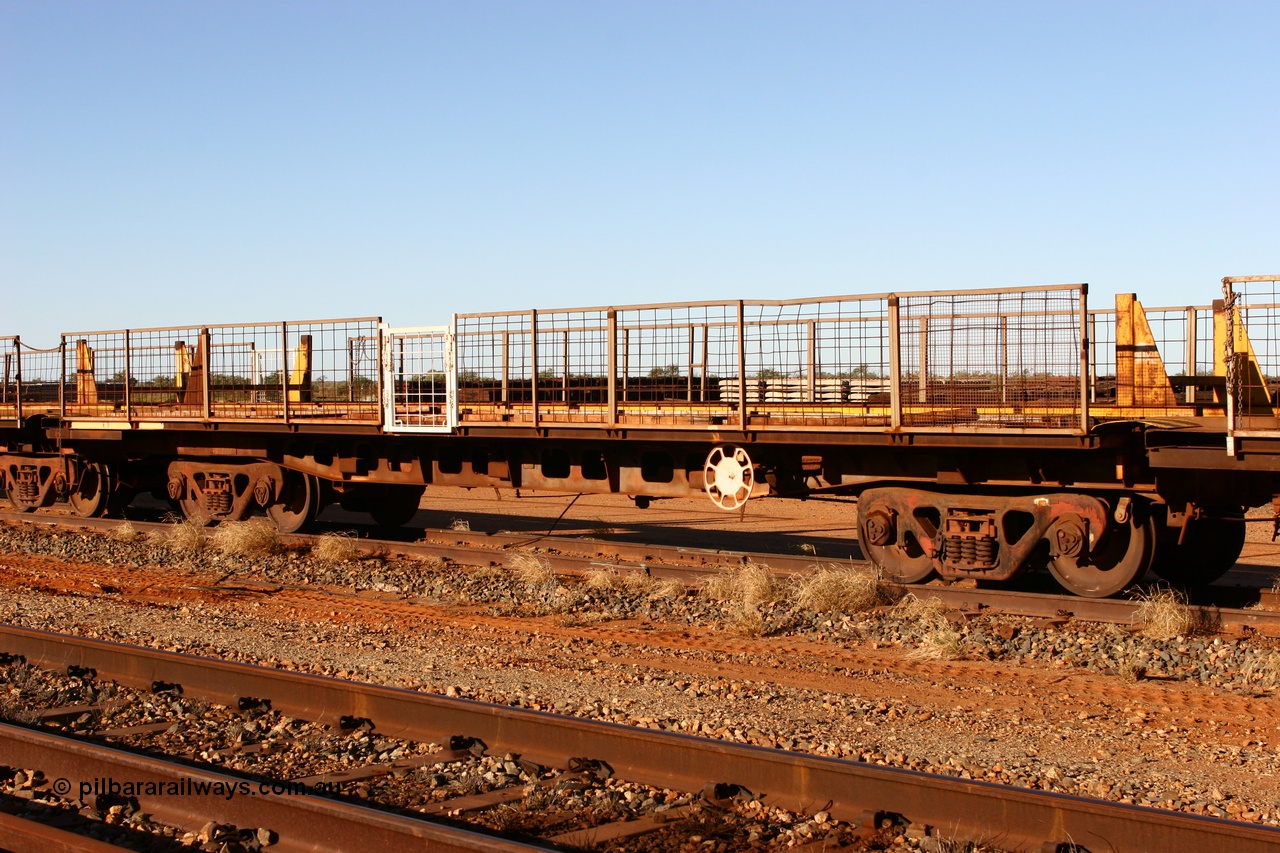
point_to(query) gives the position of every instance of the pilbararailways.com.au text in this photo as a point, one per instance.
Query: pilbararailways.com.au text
(188, 787)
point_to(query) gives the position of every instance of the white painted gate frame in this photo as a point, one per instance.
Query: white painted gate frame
(388, 336)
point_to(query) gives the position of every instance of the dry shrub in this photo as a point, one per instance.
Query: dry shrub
(1131, 670)
(534, 572)
(187, 536)
(671, 588)
(845, 590)
(926, 619)
(460, 524)
(602, 578)
(942, 643)
(750, 585)
(124, 532)
(256, 537)
(1163, 614)
(929, 611)
(335, 548)
(638, 582)
(13, 711)
(748, 622)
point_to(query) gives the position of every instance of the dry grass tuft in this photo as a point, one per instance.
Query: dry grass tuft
(534, 572)
(256, 537)
(940, 644)
(187, 536)
(1131, 671)
(638, 582)
(1163, 614)
(748, 622)
(924, 610)
(750, 586)
(460, 524)
(671, 588)
(124, 532)
(846, 590)
(602, 578)
(335, 548)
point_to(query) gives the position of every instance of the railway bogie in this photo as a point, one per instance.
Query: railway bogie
(985, 433)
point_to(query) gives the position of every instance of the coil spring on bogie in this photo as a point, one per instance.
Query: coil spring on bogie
(218, 502)
(971, 550)
(28, 490)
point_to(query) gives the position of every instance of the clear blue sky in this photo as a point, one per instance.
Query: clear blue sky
(179, 162)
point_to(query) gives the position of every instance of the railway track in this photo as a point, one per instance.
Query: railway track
(1223, 608)
(848, 801)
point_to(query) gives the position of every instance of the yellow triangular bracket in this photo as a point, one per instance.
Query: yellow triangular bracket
(1141, 379)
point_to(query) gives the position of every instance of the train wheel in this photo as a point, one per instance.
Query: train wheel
(90, 496)
(298, 504)
(729, 476)
(393, 506)
(904, 562)
(1211, 547)
(1123, 556)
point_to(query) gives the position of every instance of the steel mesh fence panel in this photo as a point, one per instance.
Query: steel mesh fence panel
(95, 365)
(8, 377)
(332, 369)
(246, 371)
(678, 363)
(991, 360)
(321, 370)
(1102, 357)
(573, 366)
(494, 367)
(1251, 353)
(32, 379)
(1184, 342)
(819, 362)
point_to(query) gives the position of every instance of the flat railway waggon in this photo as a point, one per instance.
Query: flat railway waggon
(984, 433)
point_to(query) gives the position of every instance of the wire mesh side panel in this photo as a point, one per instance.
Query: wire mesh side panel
(991, 360)
(1101, 329)
(95, 367)
(1184, 342)
(319, 370)
(332, 369)
(32, 379)
(573, 366)
(677, 364)
(417, 371)
(1251, 352)
(247, 368)
(8, 377)
(165, 373)
(493, 367)
(816, 363)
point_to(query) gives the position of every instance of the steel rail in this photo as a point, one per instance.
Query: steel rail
(168, 791)
(1012, 818)
(21, 835)
(684, 563)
